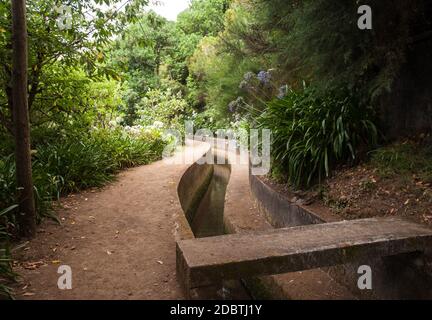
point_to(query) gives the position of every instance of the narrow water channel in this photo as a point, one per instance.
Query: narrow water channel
(202, 194)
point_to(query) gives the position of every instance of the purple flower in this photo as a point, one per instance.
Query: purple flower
(264, 77)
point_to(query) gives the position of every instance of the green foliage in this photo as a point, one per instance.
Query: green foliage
(407, 158)
(75, 163)
(162, 106)
(152, 55)
(7, 181)
(152, 51)
(71, 98)
(314, 40)
(218, 76)
(203, 17)
(312, 133)
(6, 272)
(142, 48)
(79, 47)
(176, 63)
(319, 40)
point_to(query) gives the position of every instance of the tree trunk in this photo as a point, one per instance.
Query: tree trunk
(27, 211)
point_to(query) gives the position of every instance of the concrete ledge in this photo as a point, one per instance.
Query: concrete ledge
(208, 260)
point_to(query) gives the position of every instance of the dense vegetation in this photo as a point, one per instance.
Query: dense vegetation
(75, 107)
(305, 70)
(102, 92)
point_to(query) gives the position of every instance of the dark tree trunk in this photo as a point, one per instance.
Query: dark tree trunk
(27, 211)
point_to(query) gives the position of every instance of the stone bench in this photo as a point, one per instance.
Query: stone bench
(206, 261)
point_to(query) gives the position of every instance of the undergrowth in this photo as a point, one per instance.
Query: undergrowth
(63, 166)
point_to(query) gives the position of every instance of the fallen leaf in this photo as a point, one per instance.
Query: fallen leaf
(32, 265)
(28, 294)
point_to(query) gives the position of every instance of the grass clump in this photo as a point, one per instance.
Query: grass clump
(313, 132)
(404, 158)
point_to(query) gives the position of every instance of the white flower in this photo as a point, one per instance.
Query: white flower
(158, 124)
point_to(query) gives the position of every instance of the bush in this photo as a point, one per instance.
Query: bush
(409, 158)
(165, 106)
(70, 165)
(312, 133)
(6, 272)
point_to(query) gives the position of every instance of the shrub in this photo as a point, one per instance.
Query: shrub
(162, 105)
(73, 165)
(6, 272)
(70, 165)
(313, 132)
(408, 158)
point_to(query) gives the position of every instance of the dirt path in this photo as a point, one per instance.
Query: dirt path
(119, 241)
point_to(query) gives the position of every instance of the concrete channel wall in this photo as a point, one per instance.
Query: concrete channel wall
(201, 192)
